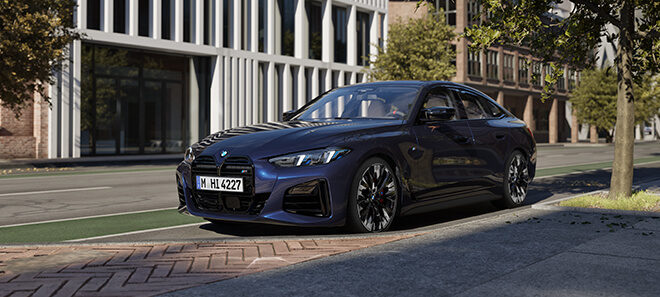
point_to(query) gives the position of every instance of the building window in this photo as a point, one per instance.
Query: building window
(166, 19)
(188, 20)
(132, 102)
(536, 74)
(492, 64)
(315, 17)
(209, 8)
(119, 13)
(547, 69)
(561, 81)
(94, 14)
(339, 20)
(473, 10)
(363, 42)
(449, 7)
(227, 20)
(571, 79)
(144, 17)
(287, 10)
(262, 26)
(474, 63)
(507, 67)
(523, 71)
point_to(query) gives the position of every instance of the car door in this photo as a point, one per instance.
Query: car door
(441, 164)
(489, 127)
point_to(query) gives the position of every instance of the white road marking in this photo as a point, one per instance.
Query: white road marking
(54, 191)
(135, 232)
(87, 217)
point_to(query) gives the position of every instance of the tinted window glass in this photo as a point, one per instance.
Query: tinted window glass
(472, 106)
(491, 109)
(440, 97)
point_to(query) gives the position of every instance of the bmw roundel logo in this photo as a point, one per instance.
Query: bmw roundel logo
(223, 153)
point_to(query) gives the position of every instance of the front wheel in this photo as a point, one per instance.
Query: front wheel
(516, 180)
(374, 198)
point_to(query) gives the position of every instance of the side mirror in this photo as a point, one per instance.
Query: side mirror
(287, 115)
(438, 113)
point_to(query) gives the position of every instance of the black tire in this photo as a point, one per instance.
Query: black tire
(377, 207)
(515, 181)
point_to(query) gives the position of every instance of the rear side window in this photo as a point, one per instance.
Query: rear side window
(491, 109)
(473, 107)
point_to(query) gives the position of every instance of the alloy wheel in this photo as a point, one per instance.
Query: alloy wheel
(377, 197)
(518, 178)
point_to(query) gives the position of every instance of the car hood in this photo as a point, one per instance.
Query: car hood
(277, 138)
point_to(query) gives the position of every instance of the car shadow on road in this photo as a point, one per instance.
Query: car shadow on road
(540, 189)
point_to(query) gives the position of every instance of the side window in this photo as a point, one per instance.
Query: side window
(491, 109)
(440, 97)
(473, 108)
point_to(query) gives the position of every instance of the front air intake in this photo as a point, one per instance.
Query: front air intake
(309, 198)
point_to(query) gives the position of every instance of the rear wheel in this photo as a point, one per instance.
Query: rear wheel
(516, 180)
(374, 198)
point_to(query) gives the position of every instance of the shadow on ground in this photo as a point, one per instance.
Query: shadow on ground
(540, 189)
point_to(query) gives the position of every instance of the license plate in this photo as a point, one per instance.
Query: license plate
(215, 183)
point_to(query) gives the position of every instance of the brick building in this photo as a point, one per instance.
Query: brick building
(27, 136)
(500, 73)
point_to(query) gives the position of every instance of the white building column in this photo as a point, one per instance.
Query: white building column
(301, 31)
(249, 87)
(287, 92)
(65, 109)
(385, 29)
(178, 20)
(133, 17)
(271, 96)
(314, 92)
(227, 92)
(193, 108)
(107, 16)
(328, 81)
(327, 36)
(341, 79)
(216, 108)
(76, 98)
(256, 105)
(351, 36)
(218, 24)
(254, 26)
(241, 91)
(270, 31)
(234, 92)
(81, 14)
(156, 18)
(237, 21)
(302, 87)
(373, 37)
(199, 22)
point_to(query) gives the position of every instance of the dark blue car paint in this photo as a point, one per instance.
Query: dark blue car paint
(474, 152)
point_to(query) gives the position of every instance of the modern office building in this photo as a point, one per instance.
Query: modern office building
(153, 76)
(503, 73)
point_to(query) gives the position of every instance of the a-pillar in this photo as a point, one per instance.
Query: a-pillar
(528, 115)
(575, 126)
(593, 134)
(553, 122)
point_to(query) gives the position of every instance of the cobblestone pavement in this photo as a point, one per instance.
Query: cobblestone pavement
(151, 269)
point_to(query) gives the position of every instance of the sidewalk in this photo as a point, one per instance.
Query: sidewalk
(161, 159)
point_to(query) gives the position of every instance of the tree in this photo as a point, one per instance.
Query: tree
(571, 40)
(419, 49)
(33, 39)
(594, 99)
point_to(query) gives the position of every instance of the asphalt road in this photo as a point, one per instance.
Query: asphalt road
(36, 199)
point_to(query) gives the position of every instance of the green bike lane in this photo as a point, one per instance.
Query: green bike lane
(133, 225)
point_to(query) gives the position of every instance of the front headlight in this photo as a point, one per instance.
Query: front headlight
(189, 156)
(309, 158)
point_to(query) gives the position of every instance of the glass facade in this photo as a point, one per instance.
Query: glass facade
(492, 64)
(143, 17)
(363, 42)
(120, 13)
(523, 71)
(133, 102)
(315, 18)
(507, 67)
(94, 14)
(536, 74)
(474, 63)
(167, 14)
(287, 14)
(339, 21)
(449, 7)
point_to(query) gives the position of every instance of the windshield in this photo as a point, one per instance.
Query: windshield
(362, 102)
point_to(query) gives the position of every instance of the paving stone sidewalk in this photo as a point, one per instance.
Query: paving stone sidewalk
(151, 269)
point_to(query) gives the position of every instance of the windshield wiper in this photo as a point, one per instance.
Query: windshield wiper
(341, 118)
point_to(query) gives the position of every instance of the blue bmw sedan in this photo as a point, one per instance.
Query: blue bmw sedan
(362, 156)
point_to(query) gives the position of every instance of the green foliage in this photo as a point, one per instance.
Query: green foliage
(417, 50)
(33, 39)
(594, 99)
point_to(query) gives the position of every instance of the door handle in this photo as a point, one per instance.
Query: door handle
(500, 136)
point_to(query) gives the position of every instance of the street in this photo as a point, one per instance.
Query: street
(143, 188)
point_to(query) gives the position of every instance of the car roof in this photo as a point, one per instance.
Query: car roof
(422, 83)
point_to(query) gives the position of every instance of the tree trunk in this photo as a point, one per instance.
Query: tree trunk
(624, 139)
